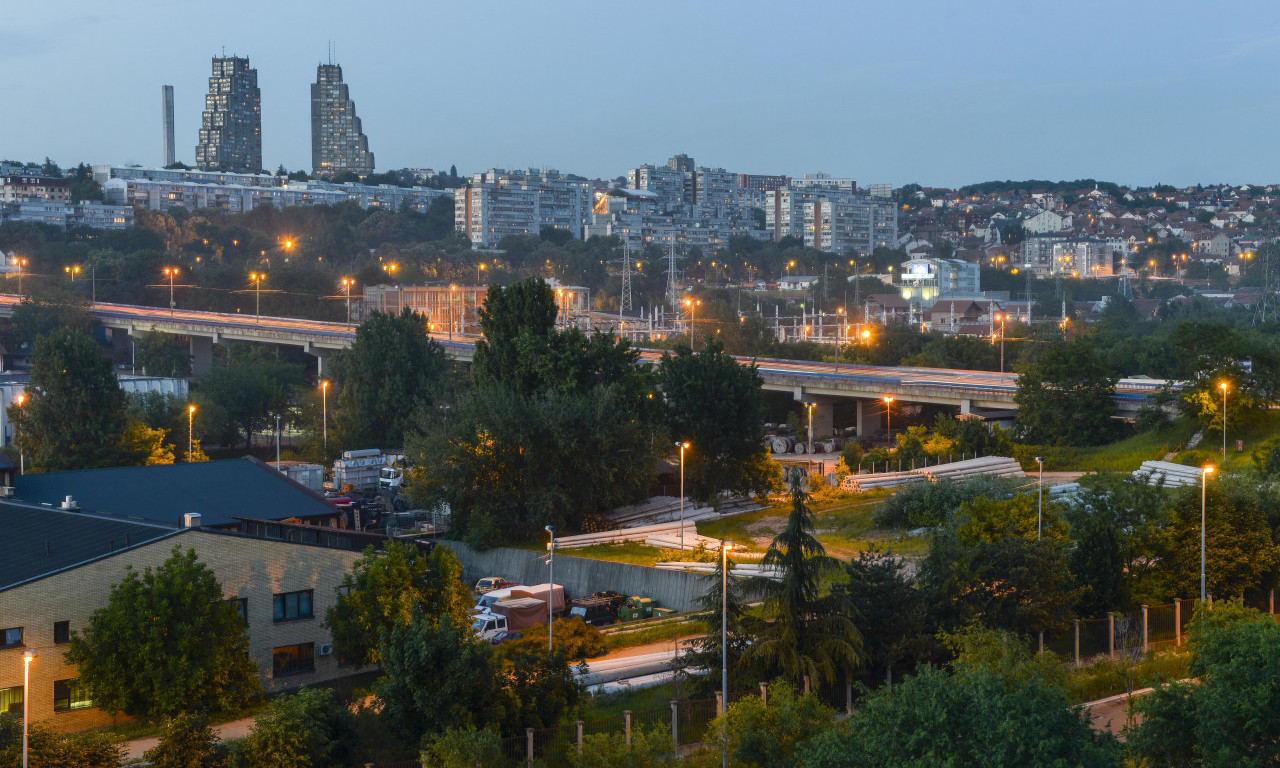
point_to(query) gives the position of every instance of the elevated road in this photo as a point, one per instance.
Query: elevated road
(819, 383)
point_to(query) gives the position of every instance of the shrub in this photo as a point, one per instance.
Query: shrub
(576, 638)
(925, 505)
(462, 748)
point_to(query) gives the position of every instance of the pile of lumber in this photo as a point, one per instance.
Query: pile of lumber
(863, 483)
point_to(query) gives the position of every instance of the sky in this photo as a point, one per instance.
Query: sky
(940, 93)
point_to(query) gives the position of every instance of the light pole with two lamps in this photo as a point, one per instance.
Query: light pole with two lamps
(551, 592)
(346, 287)
(256, 278)
(1224, 387)
(171, 273)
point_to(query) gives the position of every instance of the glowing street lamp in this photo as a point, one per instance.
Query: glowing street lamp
(72, 271)
(22, 459)
(1204, 482)
(171, 273)
(480, 267)
(1224, 386)
(682, 447)
(347, 282)
(888, 416)
(191, 417)
(324, 413)
(725, 546)
(27, 656)
(256, 278)
(20, 263)
(551, 578)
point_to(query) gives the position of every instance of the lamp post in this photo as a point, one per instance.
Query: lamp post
(452, 290)
(480, 267)
(346, 287)
(809, 407)
(191, 417)
(1040, 497)
(1204, 482)
(27, 656)
(839, 327)
(1002, 317)
(692, 304)
(20, 263)
(277, 442)
(724, 645)
(171, 272)
(551, 592)
(256, 279)
(1224, 387)
(22, 459)
(682, 446)
(888, 417)
(324, 413)
(72, 271)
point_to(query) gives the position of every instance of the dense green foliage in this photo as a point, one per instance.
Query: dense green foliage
(766, 736)
(384, 589)
(1065, 396)
(187, 741)
(925, 505)
(306, 729)
(49, 748)
(166, 642)
(243, 390)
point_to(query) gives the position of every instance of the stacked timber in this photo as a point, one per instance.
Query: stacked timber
(1167, 473)
(639, 533)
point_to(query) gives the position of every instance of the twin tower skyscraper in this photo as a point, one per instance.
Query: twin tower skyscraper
(231, 126)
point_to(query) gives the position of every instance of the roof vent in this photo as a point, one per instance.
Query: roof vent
(70, 504)
(190, 519)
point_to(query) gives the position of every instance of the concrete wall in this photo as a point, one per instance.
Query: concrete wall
(580, 576)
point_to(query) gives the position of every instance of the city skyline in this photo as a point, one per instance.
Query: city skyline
(936, 94)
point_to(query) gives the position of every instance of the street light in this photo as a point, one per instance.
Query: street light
(1204, 482)
(22, 459)
(725, 546)
(20, 263)
(1224, 387)
(551, 592)
(256, 278)
(277, 442)
(480, 267)
(324, 413)
(1040, 497)
(888, 417)
(692, 304)
(682, 447)
(27, 656)
(191, 417)
(73, 271)
(346, 287)
(452, 290)
(171, 272)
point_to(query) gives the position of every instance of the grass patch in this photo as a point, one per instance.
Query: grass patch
(1128, 454)
(670, 630)
(138, 729)
(611, 706)
(1254, 430)
(633, 552)
(1105, 678)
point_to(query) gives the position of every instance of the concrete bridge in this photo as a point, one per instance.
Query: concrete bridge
(818, 384)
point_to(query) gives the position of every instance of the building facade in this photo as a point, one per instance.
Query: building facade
(231, 127)
(447, 308)
(499, 203)
(18, 188)
(338, 142)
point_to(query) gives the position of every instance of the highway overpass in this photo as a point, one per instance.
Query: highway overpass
(818, 383)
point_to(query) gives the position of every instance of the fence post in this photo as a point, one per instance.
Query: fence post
(1146, 638)
(528, 737)
(1111, 635)
(719, 703)
(675, 726)
(1077, 642)
(579, 737)
(1177, 621)
(764, 694)
(626, 719)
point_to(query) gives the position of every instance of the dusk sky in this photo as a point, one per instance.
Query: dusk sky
(939, 93)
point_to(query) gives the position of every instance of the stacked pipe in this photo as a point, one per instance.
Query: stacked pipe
(996, 466)
(1167, 473)
(742, 570)
(691, 540)
(862, 483)
(640, 533)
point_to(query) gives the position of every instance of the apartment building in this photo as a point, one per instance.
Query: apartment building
(231, 125)
(499, 203)
(338, 142)
(18, 187)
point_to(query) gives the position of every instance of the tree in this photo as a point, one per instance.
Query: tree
(939, 718)
(437, 676)
(1239, 550)
(761, 736)
(646, 748)
(74, 415)
(241, 391)
(809, 634)
(47, 313)
(706, 652)
(385, 588)
(540, 688)
(187, 741)
(161, 354)
(715, 404)
(888, 610)
(142, 446)
(513, 320)
(1231, 715)
(463, 748)
(1065, 396)
(307, 729)
(390, 370)
(48, 748)
(166, 642)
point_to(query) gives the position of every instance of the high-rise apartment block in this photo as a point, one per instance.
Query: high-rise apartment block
(231, 129)
(166, 118)
(498, 203)
(831, 218)
(338, 142)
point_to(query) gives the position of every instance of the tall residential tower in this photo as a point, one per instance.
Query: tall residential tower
(166, 114)
(337, 141)
(231, 130)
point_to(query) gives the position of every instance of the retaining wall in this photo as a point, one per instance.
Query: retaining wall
(580, 576)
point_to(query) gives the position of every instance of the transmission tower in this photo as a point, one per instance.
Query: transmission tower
(673, 280)
(624, 303)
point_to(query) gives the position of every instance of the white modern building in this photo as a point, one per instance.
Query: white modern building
(499, 203)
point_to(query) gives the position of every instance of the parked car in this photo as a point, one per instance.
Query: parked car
(596, 611)
(490, 583)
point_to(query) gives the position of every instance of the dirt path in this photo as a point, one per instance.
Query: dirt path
(236, 729)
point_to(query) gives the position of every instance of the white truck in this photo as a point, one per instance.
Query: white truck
(508, 616)
(362, 470)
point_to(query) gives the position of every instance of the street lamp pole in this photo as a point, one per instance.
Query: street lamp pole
(256, 278)
(324, 414)
(1002, 318)
(1204, 482)
(277, 442)
(724, 646)
(191, 416)
(346, 286)
(1223, 386)
(888, 417)
(171, 272)
(551, 592)
(27, 656)
(1040, 497)
(20, 263)
(682, 446)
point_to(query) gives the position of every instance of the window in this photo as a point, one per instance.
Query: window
(12, 637)
(293, 659)
(61, 632)
(70, 694)
(11, 700)
(292, 606)
(241, 604)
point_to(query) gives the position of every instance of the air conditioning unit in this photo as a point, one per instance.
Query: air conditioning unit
(324, 649)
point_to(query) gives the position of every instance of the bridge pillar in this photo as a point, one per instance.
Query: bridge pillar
(823, 416)
(201, 354)
(966, 407)
(321, 355)
(870, 416)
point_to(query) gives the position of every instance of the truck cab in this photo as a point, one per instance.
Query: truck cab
(390, 479)
(489, 626)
